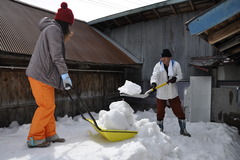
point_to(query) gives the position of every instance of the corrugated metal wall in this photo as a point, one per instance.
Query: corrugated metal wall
(145, 40)
(18, 104)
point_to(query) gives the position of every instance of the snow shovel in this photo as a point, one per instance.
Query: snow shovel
(111, 135)
(145, 95)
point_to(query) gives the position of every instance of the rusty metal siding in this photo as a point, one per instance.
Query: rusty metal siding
(87, 45)
(19, 33)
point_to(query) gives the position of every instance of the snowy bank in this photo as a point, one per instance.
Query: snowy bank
(209, 141)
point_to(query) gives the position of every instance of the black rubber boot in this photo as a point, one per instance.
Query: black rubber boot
(182, 124)
(160, 124)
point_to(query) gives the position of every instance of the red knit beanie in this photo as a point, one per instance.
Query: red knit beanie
(64, 14)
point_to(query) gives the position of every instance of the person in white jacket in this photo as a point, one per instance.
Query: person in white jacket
(168, 70)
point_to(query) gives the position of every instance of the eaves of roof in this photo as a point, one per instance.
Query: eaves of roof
(137, 10)
(151, 12)
(220, 27)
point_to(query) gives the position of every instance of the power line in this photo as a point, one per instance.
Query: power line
(125, 4)
(102, 4)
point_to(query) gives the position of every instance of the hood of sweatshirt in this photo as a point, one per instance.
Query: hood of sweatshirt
(44, 22)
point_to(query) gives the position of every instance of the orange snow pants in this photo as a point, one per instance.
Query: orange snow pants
(43, 122)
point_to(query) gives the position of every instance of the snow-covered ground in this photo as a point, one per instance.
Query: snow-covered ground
(209, 141)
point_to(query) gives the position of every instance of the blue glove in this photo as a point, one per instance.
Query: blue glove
(67, 83)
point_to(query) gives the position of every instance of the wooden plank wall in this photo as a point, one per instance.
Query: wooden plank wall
(145, 40)
(18, 104)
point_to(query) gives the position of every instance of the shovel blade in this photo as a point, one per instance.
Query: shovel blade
(135, 95)
(145, 95)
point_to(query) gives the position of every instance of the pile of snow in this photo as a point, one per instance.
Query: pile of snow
(209, 141)
(120, 116)
(130, 88)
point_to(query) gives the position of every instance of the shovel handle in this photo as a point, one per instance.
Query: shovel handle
(84, 106)
(159, 86)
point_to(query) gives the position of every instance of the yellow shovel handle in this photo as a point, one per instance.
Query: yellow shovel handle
(159, 86)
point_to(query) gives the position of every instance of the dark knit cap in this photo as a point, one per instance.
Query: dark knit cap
(64, 14)
(166, 53)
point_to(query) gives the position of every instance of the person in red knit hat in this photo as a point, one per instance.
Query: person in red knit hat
(65, 18)
(46, 72)
(64, 14)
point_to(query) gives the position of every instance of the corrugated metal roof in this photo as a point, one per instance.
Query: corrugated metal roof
(14, 35)
(19, 32)
(87, 45)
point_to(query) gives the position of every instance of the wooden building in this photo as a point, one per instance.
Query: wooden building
(97, 66)
(147, 30)
(212, 50)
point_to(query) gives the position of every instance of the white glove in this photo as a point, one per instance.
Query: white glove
(67, 83)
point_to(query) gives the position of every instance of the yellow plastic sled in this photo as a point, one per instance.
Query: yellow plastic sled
(111, 135)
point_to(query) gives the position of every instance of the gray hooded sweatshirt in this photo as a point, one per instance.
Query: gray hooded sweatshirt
(47, 63)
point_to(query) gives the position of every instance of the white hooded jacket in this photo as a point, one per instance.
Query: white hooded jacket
(159, 76)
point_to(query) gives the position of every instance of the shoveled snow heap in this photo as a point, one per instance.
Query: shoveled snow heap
(120, 116)
(149, 138)
(130, 88)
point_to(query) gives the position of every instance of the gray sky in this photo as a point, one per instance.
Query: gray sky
(88, 10)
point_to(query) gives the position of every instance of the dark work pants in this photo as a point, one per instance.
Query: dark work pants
(174, 103)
